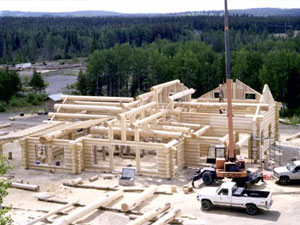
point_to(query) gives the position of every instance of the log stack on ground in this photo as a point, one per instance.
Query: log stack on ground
(148, 193)
(88, 209)
(148, 216)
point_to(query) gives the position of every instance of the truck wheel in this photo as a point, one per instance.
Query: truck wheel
(284, 180)
(207, 178)
(206, 205)
(251, 209)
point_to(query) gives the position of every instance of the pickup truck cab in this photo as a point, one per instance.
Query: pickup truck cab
(228, 194)
(285, 174)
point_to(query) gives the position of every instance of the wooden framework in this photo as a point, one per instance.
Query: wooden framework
(158, 133)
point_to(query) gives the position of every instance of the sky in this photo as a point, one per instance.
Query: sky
(140, 6)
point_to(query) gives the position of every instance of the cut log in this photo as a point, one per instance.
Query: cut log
(131, 104)
(28, 187)
(88, 209)
(206, 105)
(77, 181)
(97, 98)
(54, 135)
(98, 103)
(150, 215)
(201, 131)
(94, 178)
(294, 136)
(190, 125)
(185, 130)
(114, 188)
(55, 201)
(144, 132)
(136, 110)
(168, 217)
(242, 141)
(146, 95)
(75, 116)
(148, 193)
(4, 125)
(148, 119)
(182, 94)
(163, 85)
(93, 108)
(51, 213)
(104, 188)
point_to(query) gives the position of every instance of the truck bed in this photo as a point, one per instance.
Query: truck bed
(242, 192)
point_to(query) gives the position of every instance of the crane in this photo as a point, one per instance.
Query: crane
(224, 157)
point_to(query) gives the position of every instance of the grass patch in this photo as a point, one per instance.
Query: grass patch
(26, 109)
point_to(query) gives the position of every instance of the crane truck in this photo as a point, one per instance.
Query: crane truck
(224, 157)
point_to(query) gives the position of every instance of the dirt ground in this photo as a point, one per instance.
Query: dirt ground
(285, 209)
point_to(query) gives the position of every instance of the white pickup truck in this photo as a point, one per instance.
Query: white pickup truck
(229, 194)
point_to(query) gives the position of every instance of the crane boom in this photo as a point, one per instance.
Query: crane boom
(231, 147)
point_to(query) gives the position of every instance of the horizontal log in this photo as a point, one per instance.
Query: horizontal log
(185, 130)
(94, 178)
(93, 108)
(144, 132)
(97, 98)
(4, 125)
(168, 217)
(201, 131)
(77, 181)
(145, 95)
(105, 208)
(221, 105)
(88, 209)
(136, 110)
(150, 215)
(163, 85)
(148, 119)
(131, 104)
(294, 136)
(41, 218)
(181, 94)
(118, 104)
(28, 187)
(133, 203)
(179, 124)
(242, 141)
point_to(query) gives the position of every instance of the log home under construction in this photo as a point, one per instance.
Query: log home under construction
(158, 132)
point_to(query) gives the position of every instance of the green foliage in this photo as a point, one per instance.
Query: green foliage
(125, 70)
(2, 106)
(37, 82)
(18, 102)
(129, 55)
(10, 84)
(81, 84)
(35, 99)
(4, 184)
(294, 120)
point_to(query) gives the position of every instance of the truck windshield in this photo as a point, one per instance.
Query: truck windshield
(291, 166)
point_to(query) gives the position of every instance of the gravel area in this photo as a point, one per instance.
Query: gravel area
(58, 83)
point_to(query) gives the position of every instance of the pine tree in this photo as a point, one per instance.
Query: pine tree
(37, 82)
(82, 83)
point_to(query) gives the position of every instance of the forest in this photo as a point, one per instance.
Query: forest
(128, 55)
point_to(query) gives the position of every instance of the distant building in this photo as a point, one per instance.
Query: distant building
(51, 100)
(23, 65)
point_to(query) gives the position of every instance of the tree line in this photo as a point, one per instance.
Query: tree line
(129, 55)
(30, 39)
(126, 70)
